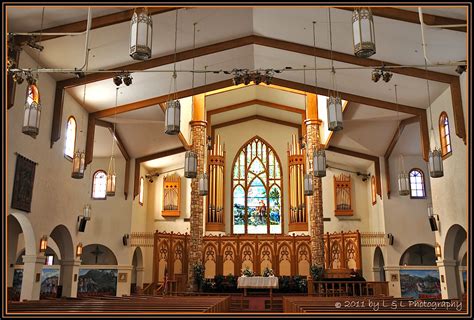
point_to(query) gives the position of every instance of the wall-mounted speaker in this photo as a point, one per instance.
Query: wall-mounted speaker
(82, 225)
(390, 239)
(433, 224)
(125, 239)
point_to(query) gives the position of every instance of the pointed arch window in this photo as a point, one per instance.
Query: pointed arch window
(417, 184)
(99, 183)
(71, 130)
(257, 189)
(444, 135)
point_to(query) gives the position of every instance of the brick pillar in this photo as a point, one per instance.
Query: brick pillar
(313, 140)
(196, 228)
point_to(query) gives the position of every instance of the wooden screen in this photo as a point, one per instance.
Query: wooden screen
(215, 200)
(298, 215)
(171, 196)
(342, 195)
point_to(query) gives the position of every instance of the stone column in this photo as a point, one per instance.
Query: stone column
(449, 279)
(124, 274)
(31, 283)
(69, 277)
(196, 228)
(313, 141)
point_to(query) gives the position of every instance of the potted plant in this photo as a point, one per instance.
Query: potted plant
(198, 270)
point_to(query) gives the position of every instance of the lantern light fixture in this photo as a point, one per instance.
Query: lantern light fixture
(190, 164)
(141, 34)
(203, 185)
(32, 113)
(79, 249)
(308, 184)
(403, 178)
(78, 164)
(43, 243)
(334, 102)
(111, 175)
(319, 163)
(363, 32)
(438, 250)
(173, 106)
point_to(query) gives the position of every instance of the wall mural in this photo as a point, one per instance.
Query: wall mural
(97, 281)
(420, 284)
(16, 286)
(49, 282)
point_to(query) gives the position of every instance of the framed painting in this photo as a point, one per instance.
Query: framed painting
(23, 183)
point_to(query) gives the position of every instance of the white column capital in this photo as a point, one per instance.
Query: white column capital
(34, 259)
(446, 263)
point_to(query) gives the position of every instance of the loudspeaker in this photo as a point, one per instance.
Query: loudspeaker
(390, 239)
(433, 224)
(125, 239)
(82, 225)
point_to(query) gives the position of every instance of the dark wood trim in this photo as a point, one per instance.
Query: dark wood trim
(138, 161)
(387, 176)
(161, 154)
(99, 22)
(458, 112)
(349, 97)
(412, 17)
(14, 56)
(253, 102)
(161, 99)
(255, 117)
(90, 139)
(369, 157)
(425, 137)
(126, 180)
(398, 133)
(57, 113)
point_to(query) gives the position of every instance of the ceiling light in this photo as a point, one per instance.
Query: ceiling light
(376, 75)
(127, 79)
(141, 34)
(363, 32)
(386, 76)
(32, 113)
(118, 80)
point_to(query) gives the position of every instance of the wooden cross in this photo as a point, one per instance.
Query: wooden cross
(96, 253)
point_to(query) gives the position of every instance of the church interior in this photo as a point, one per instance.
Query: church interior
(247, 159)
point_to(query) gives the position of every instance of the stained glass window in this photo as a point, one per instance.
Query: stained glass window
(256, 183)
(417, 184)
(99, 185)
(444, 134)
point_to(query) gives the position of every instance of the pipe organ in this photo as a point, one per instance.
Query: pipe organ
(342, 195)
(215, 200)
(171, 196)
(298, 216)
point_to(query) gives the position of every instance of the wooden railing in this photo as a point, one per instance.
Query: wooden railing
(349, 288)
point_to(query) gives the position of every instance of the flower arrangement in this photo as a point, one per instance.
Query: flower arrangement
(317, 272)
(247, 272)
(268, 272)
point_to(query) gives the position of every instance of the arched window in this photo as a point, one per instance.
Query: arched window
(70, 137)
(257, 189)
(417, 184)
(444, 135)
(140, 196)
(99, 183)
(374, 190)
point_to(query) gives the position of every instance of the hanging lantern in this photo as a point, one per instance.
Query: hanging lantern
(32, 115)
(334, 111)
(319, 163)
(79, 249)
(110, 184)
(86, 212)
(173, 117)
(190, 164)
(43, 244)
(78, 165)
(203, 185)
(436, 164)
(141, 34)
(403, 184)
(308, 184)
(363, 32)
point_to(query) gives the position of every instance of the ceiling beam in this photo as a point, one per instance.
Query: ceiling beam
(254, 102)
(413, 17)
(96, 23)
(364, 156)
(255, 117)
(116, 135)
(138, 161)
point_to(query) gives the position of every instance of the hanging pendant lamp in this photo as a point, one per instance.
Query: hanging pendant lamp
(141, 34)
(308, 184)
(403, 179)
(363, 32)
(203, 185)
(111, 175)
(79, 158)
(173, 106)
(32, 113)
(319, 163)
(190, 164)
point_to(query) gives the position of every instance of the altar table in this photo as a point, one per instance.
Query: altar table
(258, 283)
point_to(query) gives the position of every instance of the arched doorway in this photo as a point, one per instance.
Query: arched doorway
(379, 264)
(67, 286)
(25, 288)
(455, 248)
(419, 255)
(137, 271)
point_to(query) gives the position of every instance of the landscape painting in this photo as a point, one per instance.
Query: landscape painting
(420, 284)
(16, 286)
(49, 282)
(97, 282)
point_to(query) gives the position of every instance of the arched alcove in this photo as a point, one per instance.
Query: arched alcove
(419, 255)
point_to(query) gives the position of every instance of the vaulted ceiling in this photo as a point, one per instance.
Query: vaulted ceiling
(253, 38)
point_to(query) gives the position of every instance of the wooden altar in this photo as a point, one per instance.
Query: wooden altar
(287, 255)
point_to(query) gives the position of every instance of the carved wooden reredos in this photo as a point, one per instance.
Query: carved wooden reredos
(286, 255)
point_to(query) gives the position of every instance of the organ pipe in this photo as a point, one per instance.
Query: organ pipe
(216, 160)
(296, 174)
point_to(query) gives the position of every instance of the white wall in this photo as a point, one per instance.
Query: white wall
(450, 191)
(58, 198)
